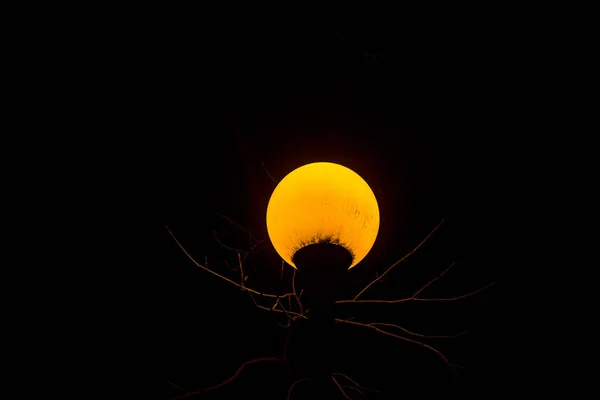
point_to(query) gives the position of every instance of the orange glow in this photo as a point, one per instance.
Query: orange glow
(322, 203)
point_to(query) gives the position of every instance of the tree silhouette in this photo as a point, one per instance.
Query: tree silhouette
(290, 311)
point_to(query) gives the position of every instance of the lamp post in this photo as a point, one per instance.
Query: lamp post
(322, 219)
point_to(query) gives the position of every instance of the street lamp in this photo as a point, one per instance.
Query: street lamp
(322, 219)
(322, 203)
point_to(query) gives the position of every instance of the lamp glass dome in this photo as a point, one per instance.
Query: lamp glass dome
(323, 202)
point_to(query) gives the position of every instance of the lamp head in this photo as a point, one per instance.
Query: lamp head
(322, 203)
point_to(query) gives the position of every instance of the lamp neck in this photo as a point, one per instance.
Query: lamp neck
(320, 267)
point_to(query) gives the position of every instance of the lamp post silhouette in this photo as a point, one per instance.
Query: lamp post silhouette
(322, 219)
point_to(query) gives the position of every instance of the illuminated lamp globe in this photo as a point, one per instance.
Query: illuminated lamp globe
(323, 202)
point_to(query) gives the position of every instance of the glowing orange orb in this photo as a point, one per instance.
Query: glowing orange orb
(323, 203)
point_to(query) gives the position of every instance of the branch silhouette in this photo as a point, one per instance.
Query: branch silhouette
(355, 383)
(414, 296)
(243, 287)
(279, 307)
(433, 349)
(341, 388)
(293, 385)
(418, 298)
(268, 173)
(399, 261)
(228, 380)
(416, 334)
(241, 228)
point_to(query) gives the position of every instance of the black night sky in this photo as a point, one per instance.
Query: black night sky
(415, 113)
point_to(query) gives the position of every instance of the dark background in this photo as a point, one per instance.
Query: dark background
(422, 116)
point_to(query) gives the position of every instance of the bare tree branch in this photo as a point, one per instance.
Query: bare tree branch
(242, 271)
(293, 385)
(275, 305)
(241, 285)
(227, 247)
(246, 254)
(287, 313)
(433, 280)
(267, 171)
(380, 280)
(274, 308)
(399, 261)
(221, 276)
(417, 298)
(236, 250)
(277, 302)
(289, 322)
(232, 222)
(437, 352)
(228, 266)
(353, 388)
(174, 385)
(263, 307)
(229, 380)
(417, 334)
(341, 389)
(355, 383)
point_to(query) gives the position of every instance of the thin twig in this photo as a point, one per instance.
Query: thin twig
(232, 222)
(228, 266)
(353, 388)
(340, 387)
(357, 384)
(275, 305)
(437, 352)
(287, 314)
(275, 309)
(267, 171)
(288, 295)
(263, 307)
(229, 380)
(246, 254)
(241, 270)
(286, 325)
(417, 298)
(219, 275)
(417, 334)
(433, 280)
(277, 302)
(399, 261)
(293, 385)
(227, 247)
(174, 385)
